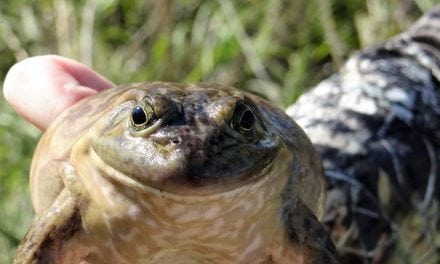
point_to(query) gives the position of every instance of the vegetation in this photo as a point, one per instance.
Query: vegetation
(274, 48)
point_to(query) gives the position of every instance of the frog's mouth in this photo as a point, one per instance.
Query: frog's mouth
(181, 185)
(186, 166)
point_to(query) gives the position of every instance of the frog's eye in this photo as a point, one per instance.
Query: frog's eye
(142, 115)
(243, 120)
(138, 116)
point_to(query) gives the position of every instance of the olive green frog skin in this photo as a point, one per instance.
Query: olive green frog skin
(173, 173)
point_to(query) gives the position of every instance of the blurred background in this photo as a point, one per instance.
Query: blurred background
(275, 48)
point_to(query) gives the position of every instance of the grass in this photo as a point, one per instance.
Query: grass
(275, 48)
(17, 142)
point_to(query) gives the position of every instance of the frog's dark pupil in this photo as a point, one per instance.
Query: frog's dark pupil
(138, 115)
(247, 119)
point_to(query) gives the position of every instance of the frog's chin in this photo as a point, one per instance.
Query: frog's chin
(175, 188)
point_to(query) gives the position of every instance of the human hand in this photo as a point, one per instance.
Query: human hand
(40, 88)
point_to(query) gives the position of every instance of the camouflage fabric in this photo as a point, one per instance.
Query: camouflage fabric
(376, 124)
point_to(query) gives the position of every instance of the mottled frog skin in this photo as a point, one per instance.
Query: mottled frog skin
(173, 173)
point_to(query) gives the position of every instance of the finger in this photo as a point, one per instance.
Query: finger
(40, 88)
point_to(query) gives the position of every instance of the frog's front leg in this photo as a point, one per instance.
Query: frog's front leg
(47, 183)
(304, 228)
(58, 220)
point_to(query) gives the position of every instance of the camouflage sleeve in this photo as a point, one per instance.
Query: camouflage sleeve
(376, 124)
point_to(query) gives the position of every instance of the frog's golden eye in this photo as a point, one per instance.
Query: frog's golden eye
(243, 120)
(142, 115)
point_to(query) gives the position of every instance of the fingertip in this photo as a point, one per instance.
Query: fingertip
(13, 77)
(40, 88)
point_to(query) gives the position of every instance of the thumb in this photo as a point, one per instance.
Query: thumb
(40, 88)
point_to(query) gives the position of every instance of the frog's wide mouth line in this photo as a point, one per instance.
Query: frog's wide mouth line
(116, 175)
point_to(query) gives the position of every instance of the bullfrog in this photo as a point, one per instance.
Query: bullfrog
(176, 173)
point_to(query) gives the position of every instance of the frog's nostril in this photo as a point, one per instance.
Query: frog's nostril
(175, 141)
